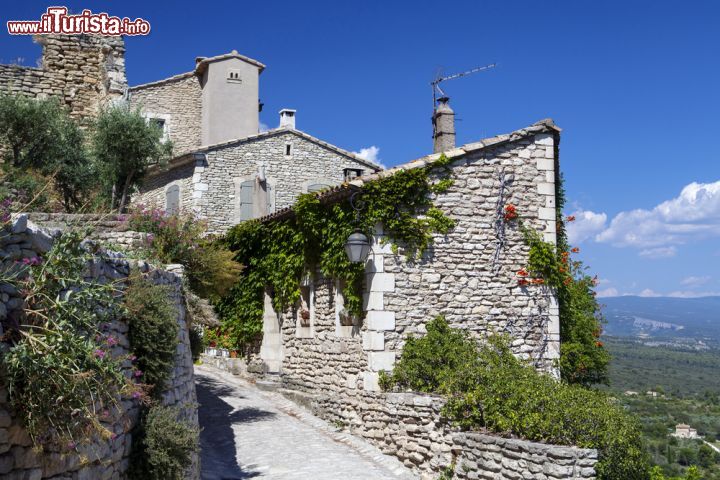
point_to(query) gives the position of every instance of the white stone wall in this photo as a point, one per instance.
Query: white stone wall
(178, 101)
(210, 188)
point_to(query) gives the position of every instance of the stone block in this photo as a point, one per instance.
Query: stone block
(546, 188)
(381, 361)
(373, 301)
(370, 381)
(380, 320)
(381, 282)
(544, 139)
(373, 340)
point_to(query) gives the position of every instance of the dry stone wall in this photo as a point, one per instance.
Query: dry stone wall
(85, 72)
(111, 231)
(103, 458)
(177, 101)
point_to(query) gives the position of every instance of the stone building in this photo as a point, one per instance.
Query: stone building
(685, 431)
(250, 177)
(469, 275)
(224, 169)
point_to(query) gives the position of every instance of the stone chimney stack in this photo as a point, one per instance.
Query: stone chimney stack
(444, 123)
(287, 118)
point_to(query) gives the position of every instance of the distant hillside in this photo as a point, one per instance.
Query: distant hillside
(677, 371)
(660, 319)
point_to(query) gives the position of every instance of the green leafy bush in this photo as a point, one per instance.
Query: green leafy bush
(486, 386)
(153, 330)
(181, 238)
(59, 360)
(163, 447)
(197, 343)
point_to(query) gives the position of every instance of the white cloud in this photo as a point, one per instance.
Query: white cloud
(608, 292)
(658, 252)
(371, 154)
(694, 214)
(693, 281)
(263, 127)
(587, 224)
(649, 293)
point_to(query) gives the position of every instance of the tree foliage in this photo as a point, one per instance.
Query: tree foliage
(125, 145)
(40, 135)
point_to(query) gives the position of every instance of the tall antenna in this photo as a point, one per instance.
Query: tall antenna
(437, 91)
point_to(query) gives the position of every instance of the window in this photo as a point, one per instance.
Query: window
(234, 76)
(345, 323)
(161, 121)
(316, 187)
(288, 149)
(172, 199)
(351, 173)
(247, 192)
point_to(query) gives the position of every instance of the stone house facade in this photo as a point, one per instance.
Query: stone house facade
(469, 275)
(250, 177)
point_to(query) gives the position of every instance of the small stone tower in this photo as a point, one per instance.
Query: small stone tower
(444, 126)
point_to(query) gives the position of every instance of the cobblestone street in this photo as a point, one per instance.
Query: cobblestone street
(248, 433)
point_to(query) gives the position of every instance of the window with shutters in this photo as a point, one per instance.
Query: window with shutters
(172, 199)
(247, 192)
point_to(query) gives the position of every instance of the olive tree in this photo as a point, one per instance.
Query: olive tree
(124, 146)
(39, 135)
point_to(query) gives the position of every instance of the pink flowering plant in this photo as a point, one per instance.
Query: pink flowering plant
(59, 367)
(182, 238)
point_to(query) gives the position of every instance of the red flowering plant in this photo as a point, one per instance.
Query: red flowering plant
(510, 212)
(182, 238)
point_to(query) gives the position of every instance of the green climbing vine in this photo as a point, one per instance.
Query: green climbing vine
(583, 358)
(277, 254)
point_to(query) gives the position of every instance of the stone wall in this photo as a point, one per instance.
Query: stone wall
(110, 230)
(211, 188)
(83, 71)
(103, 458)
(177, 101)
(487, 457)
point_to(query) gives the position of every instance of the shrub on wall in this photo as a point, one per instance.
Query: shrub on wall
(164, 446)
(153, 330)
(487, 387)
(59, 368)
(181, 238)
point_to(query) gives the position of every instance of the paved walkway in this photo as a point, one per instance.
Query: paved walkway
(248, 433)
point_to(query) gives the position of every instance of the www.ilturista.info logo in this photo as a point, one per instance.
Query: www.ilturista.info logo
(57, 20)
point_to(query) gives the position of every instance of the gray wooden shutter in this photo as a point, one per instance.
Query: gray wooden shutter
(172, 199)
(246, 200)
(270, 197)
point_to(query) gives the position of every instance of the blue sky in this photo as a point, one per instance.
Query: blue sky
(635, 86)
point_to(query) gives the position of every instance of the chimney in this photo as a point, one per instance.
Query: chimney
(287, 118)
(444, 126)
